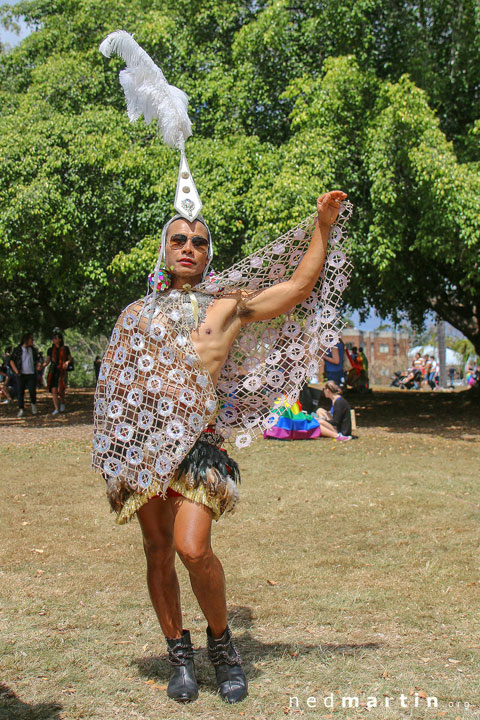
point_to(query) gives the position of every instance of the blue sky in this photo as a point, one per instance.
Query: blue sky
(9, 38)
(371, 322)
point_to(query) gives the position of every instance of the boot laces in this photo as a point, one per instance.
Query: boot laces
(218, 653)
(179, 654)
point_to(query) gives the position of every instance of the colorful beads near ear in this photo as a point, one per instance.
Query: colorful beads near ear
(213, 277)
(164, 279)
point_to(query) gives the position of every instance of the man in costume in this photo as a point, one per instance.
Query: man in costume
(186, 369)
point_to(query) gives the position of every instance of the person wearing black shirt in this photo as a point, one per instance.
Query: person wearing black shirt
(24, 363)
(339, 417)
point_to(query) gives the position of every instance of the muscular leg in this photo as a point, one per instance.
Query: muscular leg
(156, 519)
(192, 536)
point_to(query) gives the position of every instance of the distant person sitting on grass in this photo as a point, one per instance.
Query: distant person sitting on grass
(295, 424)
(339, 419)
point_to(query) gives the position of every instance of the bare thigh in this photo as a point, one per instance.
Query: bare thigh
(175, 523)
(329, 426)
(192, 528)
(156, 520)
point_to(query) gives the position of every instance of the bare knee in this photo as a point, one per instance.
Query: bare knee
(159, 551)
(194, 554)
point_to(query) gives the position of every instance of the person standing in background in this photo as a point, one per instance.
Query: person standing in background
(97, 364)
(59, 358)
(41, 366)
(364, 360)
(432, 368)
(24, 363)
(334, 363)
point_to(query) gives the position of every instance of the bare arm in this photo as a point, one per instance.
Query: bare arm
(280, 298)
(335, 359)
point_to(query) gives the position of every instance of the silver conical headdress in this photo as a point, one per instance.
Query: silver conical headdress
(148, 93)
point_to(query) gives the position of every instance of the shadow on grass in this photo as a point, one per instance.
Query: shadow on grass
(79, 403)
(12, 708)
(157, 667)
(240, 616)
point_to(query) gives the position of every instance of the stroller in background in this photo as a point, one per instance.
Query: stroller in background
(399, 378)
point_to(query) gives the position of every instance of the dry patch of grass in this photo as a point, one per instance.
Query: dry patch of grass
(352, 570)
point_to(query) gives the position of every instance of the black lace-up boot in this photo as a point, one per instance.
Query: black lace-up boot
(231, 680)
(183, 684)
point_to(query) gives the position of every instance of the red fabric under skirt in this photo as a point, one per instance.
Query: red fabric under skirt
(173, 493)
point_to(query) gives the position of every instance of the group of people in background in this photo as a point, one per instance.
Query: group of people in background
(422, 370)
(23, 367)
(425, 371)
(472, 374)
(347, 368)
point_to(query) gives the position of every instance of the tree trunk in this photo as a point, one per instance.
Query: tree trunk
(442, 380)
(463, 317)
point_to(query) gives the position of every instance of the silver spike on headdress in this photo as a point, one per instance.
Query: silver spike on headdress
(148, 93)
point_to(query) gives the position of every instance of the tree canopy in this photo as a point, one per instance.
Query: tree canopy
(380, 98)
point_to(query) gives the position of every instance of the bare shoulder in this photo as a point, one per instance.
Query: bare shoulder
(230, 305)
(134, 309)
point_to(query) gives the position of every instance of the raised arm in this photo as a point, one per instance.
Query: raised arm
(282, 297)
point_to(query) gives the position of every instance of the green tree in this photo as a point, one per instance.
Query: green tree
(287, 100)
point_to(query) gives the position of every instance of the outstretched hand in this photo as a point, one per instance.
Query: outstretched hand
(328, 206)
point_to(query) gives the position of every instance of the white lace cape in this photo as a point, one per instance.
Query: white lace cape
(154, 396)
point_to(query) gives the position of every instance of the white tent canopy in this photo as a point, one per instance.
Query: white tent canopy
(451, 357)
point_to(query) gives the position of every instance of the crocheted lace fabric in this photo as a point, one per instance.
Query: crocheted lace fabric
(154, 395)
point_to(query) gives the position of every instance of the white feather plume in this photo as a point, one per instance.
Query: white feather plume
(147, 92)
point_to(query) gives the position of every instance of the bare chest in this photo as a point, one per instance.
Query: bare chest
(214, 337)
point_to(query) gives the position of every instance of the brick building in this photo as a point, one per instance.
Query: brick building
(386, 351)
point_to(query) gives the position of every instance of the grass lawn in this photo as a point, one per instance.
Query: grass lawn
(353, 570)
